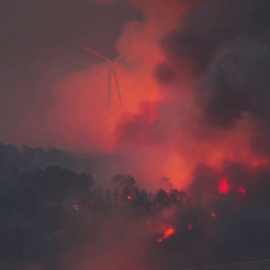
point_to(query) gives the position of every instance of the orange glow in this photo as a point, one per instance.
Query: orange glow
(223, 186)
(158, 123)
(129, 197)
(170, 231)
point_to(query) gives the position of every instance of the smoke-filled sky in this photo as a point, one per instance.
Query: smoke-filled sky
(194, 82)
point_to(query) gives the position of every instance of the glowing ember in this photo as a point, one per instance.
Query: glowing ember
(223, 186)
(242, 190)
(167, 234)
(75, 206)
(129, 197)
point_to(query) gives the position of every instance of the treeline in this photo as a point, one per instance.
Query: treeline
(46, 213)
(28, 158)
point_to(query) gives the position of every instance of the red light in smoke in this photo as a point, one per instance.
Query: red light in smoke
(242, 190)
(129, 197)
(223, 186)
(213, 215)
(75, 206)
(167, 234)
(190, 226)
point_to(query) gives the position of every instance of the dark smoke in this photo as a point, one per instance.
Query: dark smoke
(228, 45)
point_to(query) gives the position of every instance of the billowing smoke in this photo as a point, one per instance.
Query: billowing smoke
(194, 83)
(195, 116)
(60, 91)
(214, 93)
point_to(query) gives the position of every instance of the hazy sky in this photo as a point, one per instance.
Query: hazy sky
(37, 51)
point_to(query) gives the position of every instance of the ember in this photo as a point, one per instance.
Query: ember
(223, 186)
(170, 231)
(242, 190)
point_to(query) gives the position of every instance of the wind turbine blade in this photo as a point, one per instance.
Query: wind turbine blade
(109, 84)
(117, 85)
(120, 56)
(91, 51)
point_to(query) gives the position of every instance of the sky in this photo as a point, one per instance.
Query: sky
(194, 82)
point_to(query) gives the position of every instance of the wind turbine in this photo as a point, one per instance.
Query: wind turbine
(111, 70)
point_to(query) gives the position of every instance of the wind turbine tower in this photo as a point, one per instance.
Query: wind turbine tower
(112, 74)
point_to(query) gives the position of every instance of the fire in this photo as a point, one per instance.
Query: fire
(121, 198)
(75, 206)
(242, 190)
(223, 186)
(170, 231)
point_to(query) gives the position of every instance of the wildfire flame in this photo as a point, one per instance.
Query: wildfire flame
(223, 186)
(170, 231)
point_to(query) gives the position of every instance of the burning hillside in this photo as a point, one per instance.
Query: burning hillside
(179, 177)
(55, 218)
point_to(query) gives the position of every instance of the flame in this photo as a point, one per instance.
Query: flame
(170, 231)
(223, 186)
(75, 205)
